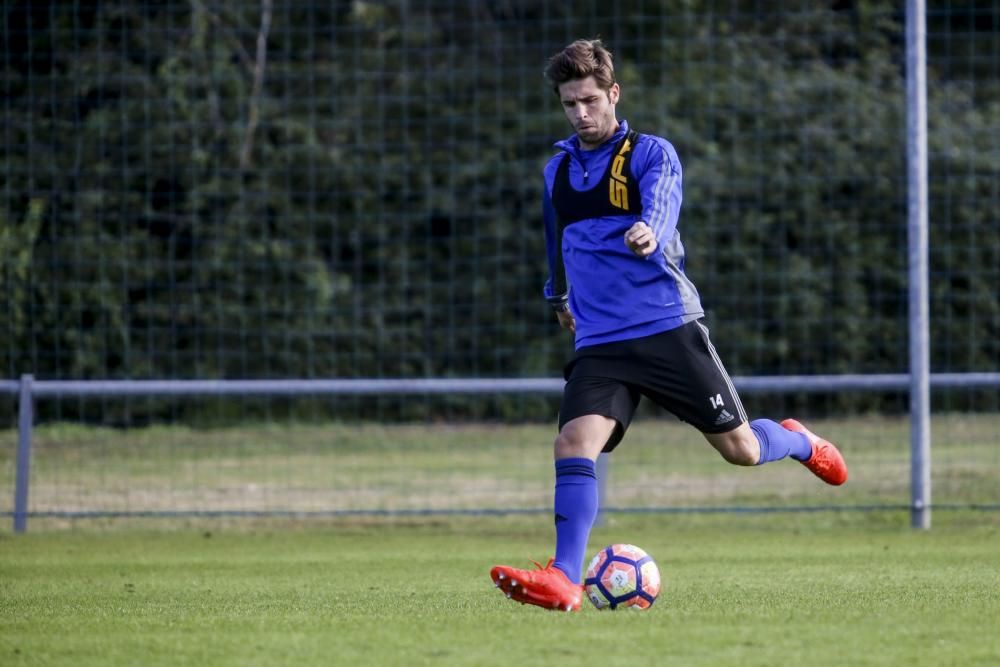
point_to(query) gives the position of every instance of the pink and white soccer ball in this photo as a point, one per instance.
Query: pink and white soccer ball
(622, 576)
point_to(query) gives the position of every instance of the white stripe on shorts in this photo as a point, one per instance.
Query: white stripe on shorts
(722, 369)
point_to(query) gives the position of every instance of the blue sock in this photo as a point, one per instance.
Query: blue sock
(777, 442)
(575, 512)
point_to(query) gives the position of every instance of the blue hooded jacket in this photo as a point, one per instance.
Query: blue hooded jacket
(614, 294)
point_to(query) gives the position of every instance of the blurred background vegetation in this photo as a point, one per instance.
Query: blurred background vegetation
(223, 189)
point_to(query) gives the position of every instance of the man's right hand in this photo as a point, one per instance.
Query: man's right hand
(566, 320)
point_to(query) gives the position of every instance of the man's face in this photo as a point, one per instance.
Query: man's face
(590, 110)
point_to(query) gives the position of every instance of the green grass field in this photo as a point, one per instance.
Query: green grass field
(805, 589)
(824, 587)
(314, 468)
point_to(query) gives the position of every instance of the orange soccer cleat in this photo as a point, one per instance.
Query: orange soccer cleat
(826, 461)
(547, 587)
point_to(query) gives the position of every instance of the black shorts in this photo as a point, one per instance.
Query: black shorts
(679, 370)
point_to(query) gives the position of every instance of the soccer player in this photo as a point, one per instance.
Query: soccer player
(616, 280)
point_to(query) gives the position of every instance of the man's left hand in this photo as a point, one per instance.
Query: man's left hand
(640, 239)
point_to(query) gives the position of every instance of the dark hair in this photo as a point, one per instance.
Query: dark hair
(582, 58)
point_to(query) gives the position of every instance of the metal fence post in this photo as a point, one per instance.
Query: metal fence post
(917, 234)
(25, 420)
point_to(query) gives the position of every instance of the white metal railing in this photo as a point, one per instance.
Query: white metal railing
(28, 389)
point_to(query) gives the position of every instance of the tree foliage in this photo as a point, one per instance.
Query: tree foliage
(365, 201)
